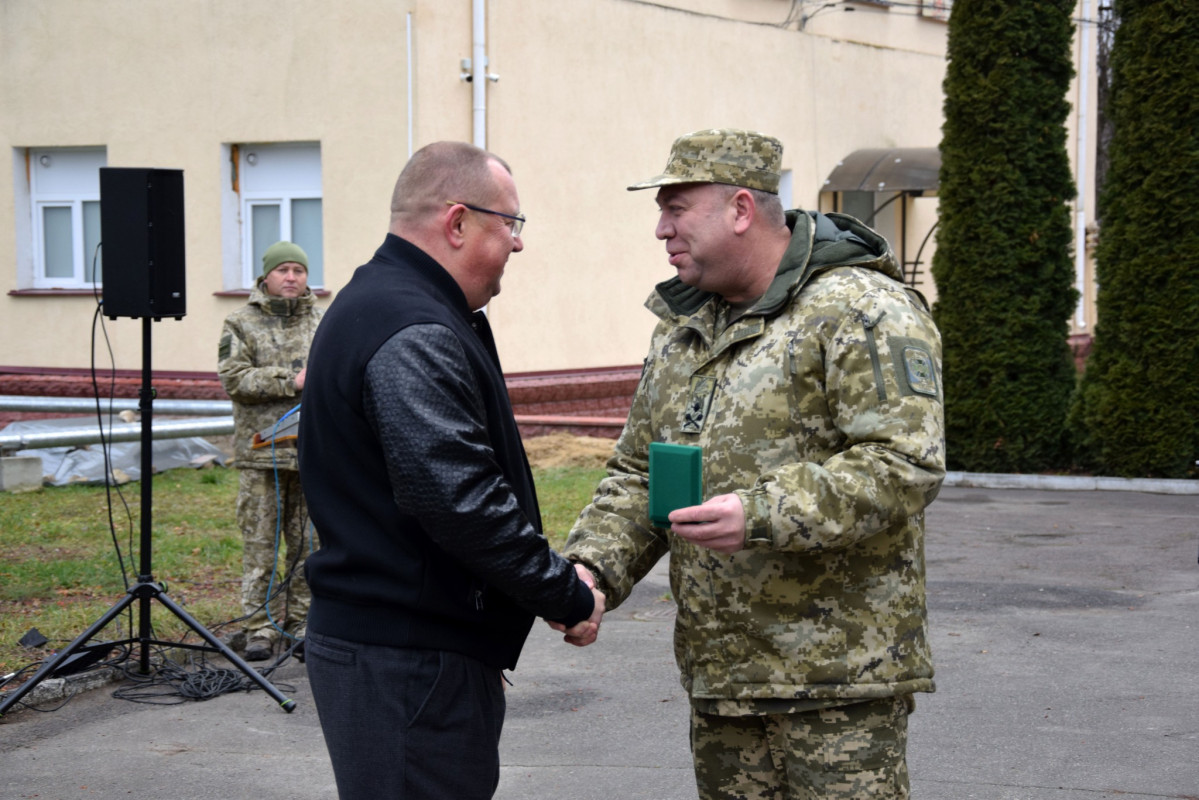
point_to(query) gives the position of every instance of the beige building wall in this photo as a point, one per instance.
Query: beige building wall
(169, 84)
(597, 110)
(589, 95)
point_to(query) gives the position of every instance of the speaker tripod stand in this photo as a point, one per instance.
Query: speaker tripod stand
(146, 590)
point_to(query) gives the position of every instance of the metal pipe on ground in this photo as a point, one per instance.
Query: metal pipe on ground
(217, 426)
(87, 405)
(128, 432)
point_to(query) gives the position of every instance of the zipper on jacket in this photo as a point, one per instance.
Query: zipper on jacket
(478, 597)
(868, 325)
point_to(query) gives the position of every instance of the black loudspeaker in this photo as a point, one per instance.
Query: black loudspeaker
(141, 230)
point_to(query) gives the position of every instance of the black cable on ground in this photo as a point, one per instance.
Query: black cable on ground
(171, 683)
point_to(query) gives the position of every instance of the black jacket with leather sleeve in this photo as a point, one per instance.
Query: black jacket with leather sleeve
(415, 475)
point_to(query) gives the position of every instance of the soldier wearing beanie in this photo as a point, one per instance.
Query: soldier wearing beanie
(284, 253)
(262, 363)
(791, 356)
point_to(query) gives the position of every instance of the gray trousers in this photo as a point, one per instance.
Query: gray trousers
(406, 724)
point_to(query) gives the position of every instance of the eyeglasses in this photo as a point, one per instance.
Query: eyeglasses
(517, 224)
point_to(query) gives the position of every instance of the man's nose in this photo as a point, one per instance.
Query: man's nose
(664, 230)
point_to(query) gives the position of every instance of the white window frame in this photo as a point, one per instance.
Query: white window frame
(76, 183)
(268, 174)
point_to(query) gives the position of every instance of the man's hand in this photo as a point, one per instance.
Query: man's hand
(299, 378)
(718, 524)
(585, 575)
(585, 632)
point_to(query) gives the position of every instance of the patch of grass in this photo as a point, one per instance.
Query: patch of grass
(562, 492)
(59, 571)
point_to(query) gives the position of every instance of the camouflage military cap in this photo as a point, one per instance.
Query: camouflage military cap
(722, 155)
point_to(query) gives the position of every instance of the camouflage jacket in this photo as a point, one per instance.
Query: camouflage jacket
(263, 345)
(821, 408)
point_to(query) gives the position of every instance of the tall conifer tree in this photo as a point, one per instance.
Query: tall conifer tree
(1003, 266)
(1138, 409)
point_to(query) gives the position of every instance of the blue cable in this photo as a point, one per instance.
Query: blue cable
(278, 524)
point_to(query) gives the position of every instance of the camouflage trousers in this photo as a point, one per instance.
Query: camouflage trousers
(258, 508)
(843, 753)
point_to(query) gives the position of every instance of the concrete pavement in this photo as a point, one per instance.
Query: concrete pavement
(1065, 628)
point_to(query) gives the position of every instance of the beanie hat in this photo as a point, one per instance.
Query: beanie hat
(281, 253)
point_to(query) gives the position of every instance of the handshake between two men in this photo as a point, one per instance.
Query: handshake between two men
(718, 524)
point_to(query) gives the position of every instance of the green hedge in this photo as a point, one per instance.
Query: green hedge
(1137, 414)
(1003, 264)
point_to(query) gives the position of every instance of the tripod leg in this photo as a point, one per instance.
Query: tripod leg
(287, 703)
(50, 666)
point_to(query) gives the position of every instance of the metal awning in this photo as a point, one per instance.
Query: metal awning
(898, 169)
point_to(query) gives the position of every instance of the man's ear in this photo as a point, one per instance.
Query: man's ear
(744, 210)
(453, 225)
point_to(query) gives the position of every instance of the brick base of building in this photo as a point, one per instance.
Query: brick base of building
(585, 402)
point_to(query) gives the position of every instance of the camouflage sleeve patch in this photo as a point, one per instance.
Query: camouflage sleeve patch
(225, 348)
(915, 368)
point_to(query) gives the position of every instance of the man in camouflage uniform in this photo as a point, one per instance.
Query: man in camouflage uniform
(789, 350)
(262, 357)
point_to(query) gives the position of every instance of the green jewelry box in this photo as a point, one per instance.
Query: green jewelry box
(675, 479)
